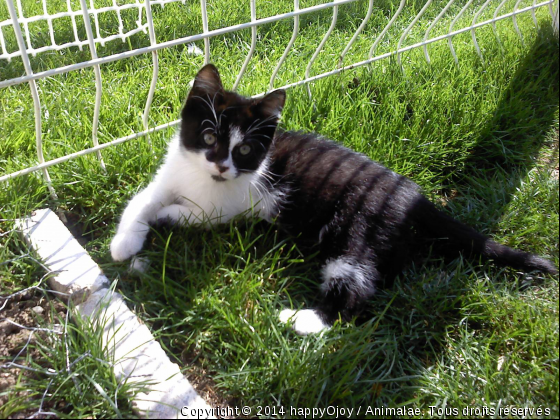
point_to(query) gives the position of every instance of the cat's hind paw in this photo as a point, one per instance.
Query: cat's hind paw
(125, 245)
(305, 321)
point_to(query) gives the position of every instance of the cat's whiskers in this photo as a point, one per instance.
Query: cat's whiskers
(263, 197)
(255, 135)
(213, 128)
(262, 126)
(259, 124)
(269, 118)
(261, 135)
(214, 105)
(265, 173)
(211, 106)
(222, 115)
(268, 177)
(251, 125)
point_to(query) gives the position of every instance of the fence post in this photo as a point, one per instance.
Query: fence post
(34, 92)
(555, 19)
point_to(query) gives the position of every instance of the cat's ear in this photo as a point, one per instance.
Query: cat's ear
(273, 103)
(207, 82)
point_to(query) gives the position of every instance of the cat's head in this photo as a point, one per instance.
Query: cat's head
(229, 135)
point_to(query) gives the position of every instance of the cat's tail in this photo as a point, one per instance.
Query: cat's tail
(461, 237)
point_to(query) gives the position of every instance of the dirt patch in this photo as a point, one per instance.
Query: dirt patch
(201, 381)
(20, 314)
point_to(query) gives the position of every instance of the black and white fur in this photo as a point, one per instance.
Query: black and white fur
(229, 158)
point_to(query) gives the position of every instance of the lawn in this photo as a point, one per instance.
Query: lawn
(480, 137)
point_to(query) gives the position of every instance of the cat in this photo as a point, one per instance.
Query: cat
(229, 158)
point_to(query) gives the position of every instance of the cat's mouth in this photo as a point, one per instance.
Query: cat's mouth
(218, 178)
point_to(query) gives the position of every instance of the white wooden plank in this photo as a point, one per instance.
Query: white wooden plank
(136, 354)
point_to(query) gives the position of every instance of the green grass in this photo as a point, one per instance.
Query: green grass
(478, 137)
(69, 371)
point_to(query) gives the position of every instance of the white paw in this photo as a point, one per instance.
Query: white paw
(125, 245)
(304, 322)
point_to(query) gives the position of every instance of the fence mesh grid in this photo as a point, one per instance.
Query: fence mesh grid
(57, 25)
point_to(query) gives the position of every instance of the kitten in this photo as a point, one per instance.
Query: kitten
(228, 158)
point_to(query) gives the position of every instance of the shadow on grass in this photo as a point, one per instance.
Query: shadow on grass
(429, 306)
(527, 110)
(509, 145)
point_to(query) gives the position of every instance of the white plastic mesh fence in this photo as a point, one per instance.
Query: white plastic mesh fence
(29, 29)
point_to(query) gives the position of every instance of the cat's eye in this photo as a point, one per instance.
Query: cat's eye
(209, 139)
(245, 149)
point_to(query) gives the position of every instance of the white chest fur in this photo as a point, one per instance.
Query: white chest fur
(186, 177)
(184, 191)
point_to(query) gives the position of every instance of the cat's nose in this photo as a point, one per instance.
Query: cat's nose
(222, 168)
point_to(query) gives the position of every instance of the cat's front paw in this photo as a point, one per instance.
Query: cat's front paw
(125, 245)
(304, 322)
